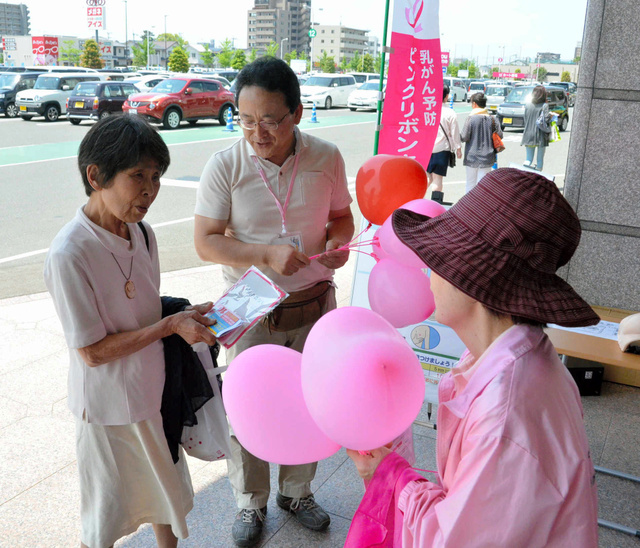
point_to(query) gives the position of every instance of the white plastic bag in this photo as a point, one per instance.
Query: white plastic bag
(209, 439)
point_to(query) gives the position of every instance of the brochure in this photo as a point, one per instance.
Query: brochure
(245, 303)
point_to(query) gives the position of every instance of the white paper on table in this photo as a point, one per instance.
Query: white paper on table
(602, 330)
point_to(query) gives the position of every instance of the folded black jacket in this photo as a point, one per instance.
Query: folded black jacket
(186, 385)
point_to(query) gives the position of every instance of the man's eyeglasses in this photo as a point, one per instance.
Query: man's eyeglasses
(266, 125)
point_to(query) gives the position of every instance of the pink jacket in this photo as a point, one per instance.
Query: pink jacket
(513, 460)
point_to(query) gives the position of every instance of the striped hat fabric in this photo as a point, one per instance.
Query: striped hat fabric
(502, 243)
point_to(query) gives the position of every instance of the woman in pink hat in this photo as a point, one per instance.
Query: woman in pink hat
(514, 468)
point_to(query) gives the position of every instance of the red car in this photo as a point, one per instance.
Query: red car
(177, 99)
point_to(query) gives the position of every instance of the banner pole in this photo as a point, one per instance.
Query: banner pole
(381, 86)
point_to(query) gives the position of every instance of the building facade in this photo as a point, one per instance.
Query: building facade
(14, 20)
(340, 42)
(284, 22)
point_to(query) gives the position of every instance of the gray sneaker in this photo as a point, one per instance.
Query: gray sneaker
(247, 527)
(306, 510)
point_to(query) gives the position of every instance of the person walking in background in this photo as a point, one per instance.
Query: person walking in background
(479, 154)
(447, 140)
(533, 136)
(273, 199)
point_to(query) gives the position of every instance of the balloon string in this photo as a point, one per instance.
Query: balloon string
(430, 471)
(346, 246)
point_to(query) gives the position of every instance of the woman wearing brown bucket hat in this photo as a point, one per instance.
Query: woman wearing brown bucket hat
(513, 459)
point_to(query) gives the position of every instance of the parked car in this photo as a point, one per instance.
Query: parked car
(496, 94)
(228, 74)
(362, 77)
(146, 82)
(457, 89)
(327, 90)
(10, 84)
(95, 100)
(511, 112)
(366, 96)
(217, 78)
(475, 87)
(570, 88)
(49, 95)
(177, 99)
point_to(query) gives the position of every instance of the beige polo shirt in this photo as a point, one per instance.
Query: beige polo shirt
(232, 190)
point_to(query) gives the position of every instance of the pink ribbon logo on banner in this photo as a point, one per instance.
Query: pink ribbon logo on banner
(414, 86)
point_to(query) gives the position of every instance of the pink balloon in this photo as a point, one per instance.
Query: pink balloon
(262, 394)
(401, 294)
(377, 248)
(393, 246)
(362, 383)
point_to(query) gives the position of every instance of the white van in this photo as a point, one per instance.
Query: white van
(457, 89)
(49, 95)
(327, 90)
(362, 77)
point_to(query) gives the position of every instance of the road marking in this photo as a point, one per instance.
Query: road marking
(179, 183)
(43, 251)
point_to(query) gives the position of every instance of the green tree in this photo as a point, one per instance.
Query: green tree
(344, 64)
(452, 70)
(541, 74)
(576, 59)
(140, 50)
(239, 59)
(272, 49)
(518, 71)
(367, 63)
(179, 60)
(356, 63)
(287, 58)
(494, 69)
(226, 53)
(172, 38)
(377, 63)
(1, 57)
(294, 55)
(565, 76)
(207, 56)
(91, 56)
(327, 64)
(253, 55)
(69, 53)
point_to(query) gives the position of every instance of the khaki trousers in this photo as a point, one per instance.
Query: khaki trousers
(249, 475)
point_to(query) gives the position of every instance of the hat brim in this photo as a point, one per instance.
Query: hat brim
(499, 280)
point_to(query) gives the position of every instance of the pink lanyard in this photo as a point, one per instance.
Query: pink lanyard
(281, 208)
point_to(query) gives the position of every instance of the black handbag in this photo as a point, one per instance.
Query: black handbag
(452, 154)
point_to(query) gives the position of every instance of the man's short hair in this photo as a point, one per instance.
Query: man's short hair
(271, 74)
(479, 99)
(445, 91)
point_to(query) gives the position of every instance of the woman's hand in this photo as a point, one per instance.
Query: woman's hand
(459, 153)
(191, 324)
(367, 463)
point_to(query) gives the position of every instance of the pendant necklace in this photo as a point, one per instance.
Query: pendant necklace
(129, 287)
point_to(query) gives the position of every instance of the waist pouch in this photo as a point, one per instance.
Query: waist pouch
(301, 308)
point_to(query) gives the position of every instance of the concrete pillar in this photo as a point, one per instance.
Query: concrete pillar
(603, 167)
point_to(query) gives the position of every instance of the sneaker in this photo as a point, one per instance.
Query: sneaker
(247, 528)
(306, 510)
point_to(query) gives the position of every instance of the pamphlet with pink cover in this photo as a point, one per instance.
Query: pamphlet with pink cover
(245, 303)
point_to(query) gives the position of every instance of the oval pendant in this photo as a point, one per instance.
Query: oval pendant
(130, 289)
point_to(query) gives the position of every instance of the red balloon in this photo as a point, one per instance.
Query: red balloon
(386, 182)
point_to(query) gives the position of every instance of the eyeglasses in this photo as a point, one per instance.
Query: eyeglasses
(267, 126)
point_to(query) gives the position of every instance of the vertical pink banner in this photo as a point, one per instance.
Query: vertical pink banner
(414, 85)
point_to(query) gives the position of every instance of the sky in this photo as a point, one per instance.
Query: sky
(486, 29)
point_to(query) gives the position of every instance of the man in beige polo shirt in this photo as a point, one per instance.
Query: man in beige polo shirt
(273, 199)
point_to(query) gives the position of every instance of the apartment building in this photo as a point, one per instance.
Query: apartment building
(340, 42)
(14, 20)
(285, 22)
